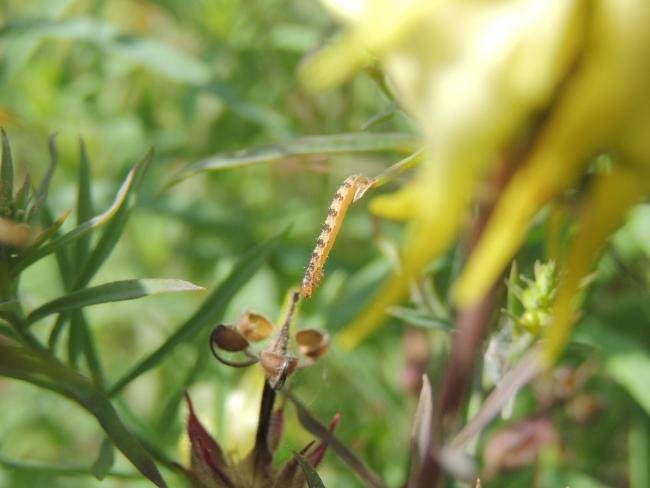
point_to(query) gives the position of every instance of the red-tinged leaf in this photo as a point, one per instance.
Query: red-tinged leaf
(276, 429)
(317, 454)
(208, 460)
(287, 477)
(311, 424)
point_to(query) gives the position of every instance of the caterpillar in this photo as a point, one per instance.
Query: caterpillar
(350, 191)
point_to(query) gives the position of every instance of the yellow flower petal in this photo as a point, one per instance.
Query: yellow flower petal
(401, 205)
(599, 99)
(609, 199)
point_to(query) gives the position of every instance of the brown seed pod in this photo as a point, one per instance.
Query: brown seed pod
(312, 343)
(277, 367)
(228, 339)
(254, 326)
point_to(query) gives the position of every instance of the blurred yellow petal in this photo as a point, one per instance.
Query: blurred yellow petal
(401, 205)
(610, 198)
(592, 109)
(377, 26)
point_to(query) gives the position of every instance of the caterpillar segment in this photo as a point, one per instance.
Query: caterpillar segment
(349, 192)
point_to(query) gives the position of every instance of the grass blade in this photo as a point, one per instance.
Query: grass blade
(110, 292)
(45, 372)
(84, 203)
(104, 462)
(313, 480)
(6, 174)
(86, 345)
(113, 231)
(83, 229)
(303, 146)
(41, 193)
(56, 470)
(44, 236)
(210, 312)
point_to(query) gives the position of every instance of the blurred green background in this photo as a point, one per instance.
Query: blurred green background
(193, 78)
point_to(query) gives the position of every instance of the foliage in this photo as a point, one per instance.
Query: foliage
(247, 160)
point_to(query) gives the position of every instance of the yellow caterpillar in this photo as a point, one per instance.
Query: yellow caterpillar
(350, 191)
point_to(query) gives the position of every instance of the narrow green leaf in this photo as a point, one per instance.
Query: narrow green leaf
(381, 117)
(48, 373)
(110, 292)
(639, 451)
(330, 144)
(64, 264)
(7, 331)
(87, 346)
(41, 193)
(105, 459)
(75, 336)
(390, 173)
(84, 228)
(84, 203)
(43, 236)
(313, 480)
(6, 175)
(22, 197)
(9, 305)
(210, 312)
(158, 57)
(56, 332)
(56, 470)
(418, 319)
(113, 231)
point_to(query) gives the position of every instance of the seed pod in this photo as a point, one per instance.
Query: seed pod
(277, 367)
(254, 326)
(312, 343)
(228, 339)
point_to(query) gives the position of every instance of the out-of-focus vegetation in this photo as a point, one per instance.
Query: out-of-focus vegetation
(232, 200)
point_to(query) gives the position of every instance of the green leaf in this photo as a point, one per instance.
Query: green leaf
(110, 292)
(84, 203)
(153, 55)
(56, 470)
(113, 231)
(313, 480)
(41, 193)
(639, 451)
(418, 319)
(9, 305)
(44, 236)
(86, 345)
(63, 262)
(22, 198)
(390, 173)
(626, 361)
(6, 175)
(331, 144)
(48, 373)
(209, 313)
(104, 462)
(120, 199)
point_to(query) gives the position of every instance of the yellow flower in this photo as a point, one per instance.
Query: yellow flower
(479, 78)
